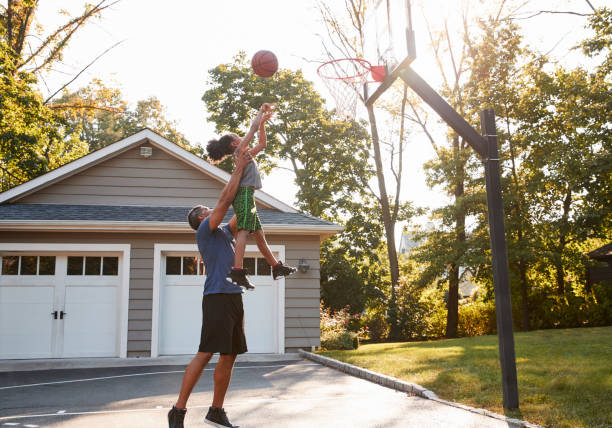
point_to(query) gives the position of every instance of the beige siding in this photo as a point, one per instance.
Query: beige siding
(130, 179)
(301, 289)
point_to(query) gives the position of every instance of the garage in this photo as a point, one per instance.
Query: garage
(178, 295)
(61, 305)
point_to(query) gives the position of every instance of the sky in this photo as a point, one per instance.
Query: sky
(167, 48)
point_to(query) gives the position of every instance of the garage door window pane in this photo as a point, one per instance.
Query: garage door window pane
(93, 265)
(10, 265)
(110, 266)
(46, 265)
(190, 266)
(249, 264)
(173, 265)
(28, 265)
(202, 270)
(75, 265)
(263, 268)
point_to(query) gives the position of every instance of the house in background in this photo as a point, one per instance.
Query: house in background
(602, 269)
(99, 261)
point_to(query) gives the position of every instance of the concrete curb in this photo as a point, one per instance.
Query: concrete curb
(90, 363)
(410, 388)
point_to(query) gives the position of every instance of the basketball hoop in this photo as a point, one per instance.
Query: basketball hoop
(345, 78)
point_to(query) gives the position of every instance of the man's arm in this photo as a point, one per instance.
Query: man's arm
(229, 192)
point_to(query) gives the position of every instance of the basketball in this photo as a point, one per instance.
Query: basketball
(264, 63)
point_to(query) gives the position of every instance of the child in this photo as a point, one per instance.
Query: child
(247, 220)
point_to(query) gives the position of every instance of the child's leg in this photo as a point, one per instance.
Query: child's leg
(260, 238)
(241, 238)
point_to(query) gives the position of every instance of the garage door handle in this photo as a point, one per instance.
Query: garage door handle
(54, 313)
(62, 313)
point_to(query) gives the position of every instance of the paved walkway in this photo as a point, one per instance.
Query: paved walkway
(271, 394)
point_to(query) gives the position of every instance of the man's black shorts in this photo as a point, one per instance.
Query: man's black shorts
(223, 324)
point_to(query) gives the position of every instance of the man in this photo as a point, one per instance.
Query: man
(222, 311)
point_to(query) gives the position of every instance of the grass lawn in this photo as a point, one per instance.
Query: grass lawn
(564, 376)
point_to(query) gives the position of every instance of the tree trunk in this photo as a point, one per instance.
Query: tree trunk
(452, 303)
(452, 317)
(560, 274)
(524, 295)
(388, 224)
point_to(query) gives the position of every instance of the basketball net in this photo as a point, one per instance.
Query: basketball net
(344, 79)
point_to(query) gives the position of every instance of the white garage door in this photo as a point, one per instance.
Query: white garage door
(56, 306)
(182, 283)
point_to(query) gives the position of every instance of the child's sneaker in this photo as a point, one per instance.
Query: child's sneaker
(280, 269)
(217, 418)
(239, 277)
(176, 417)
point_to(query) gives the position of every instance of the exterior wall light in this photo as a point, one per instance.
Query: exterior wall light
(303, 266)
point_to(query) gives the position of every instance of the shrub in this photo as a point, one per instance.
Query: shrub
(340, 329)
(476, 319)
(375, 322)
(339, 339)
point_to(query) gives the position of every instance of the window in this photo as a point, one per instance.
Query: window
(249, 264)
(184, 265)
(28, 265)
(46, 265)
(256, 266)
(263, 268)
(190, 266)
(75, 266)
(10, 265)
(93, 266)
(110, 266)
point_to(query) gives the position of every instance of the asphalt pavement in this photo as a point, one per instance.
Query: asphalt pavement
(268, 394)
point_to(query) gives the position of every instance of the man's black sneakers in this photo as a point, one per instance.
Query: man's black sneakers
(281, 270)
(176, 417)
(217, 418)
(239, 277)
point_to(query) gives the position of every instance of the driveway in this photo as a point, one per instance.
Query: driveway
(275, 394)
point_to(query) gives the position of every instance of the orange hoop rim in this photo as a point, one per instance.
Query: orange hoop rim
(362, 62)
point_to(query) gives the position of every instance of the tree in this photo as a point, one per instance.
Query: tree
(33, 139)
(17, 19)
(346, 39)
(101, 116)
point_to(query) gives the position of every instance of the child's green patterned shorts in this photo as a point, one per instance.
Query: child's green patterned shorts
(245, 210)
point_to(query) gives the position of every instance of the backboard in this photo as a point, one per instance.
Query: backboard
(389, 41)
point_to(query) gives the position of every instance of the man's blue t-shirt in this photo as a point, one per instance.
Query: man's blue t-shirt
(217, 250)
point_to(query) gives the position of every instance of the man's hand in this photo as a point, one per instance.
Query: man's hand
(242, 160)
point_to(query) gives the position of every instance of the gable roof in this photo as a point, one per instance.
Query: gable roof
(112, 150)
(602, 253)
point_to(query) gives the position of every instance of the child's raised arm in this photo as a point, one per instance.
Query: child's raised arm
(244, 144)
(262, 134)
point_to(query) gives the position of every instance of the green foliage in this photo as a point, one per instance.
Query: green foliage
(375, 321)
(336, 329)
(33, 139)
(339, 340)
(477, 318)
(101, 116)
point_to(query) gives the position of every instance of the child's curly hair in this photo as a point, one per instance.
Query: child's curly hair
(219, 149)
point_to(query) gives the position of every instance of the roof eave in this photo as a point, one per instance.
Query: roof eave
(151, 226)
